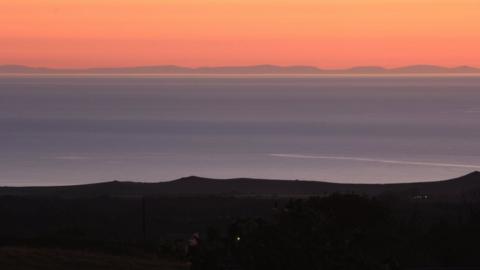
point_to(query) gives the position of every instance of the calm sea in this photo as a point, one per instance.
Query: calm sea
(70, 130)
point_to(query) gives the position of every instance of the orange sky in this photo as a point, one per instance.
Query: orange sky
(324, 33)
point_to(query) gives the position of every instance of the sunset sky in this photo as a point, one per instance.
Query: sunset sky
(324, 33)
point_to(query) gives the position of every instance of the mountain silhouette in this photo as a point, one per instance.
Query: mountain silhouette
(256, 69)
(433, 69)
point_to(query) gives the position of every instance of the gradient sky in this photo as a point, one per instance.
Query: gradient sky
(324, 33)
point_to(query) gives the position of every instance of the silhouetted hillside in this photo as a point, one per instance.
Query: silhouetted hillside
(465, 186)
(242, 226)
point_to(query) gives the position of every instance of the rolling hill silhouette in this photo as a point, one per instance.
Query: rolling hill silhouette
(454, 189)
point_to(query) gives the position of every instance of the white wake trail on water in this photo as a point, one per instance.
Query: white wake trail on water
(387, 161)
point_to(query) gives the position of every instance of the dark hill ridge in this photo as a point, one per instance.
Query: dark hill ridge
(255, 69)
(458, 188)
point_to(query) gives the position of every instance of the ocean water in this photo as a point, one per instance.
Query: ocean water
(71, 130)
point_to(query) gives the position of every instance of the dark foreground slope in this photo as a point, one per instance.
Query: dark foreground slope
(15, 258)
(459, 188)
(117, 224)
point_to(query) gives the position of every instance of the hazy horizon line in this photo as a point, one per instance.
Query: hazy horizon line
(264, 69)
(246, 65)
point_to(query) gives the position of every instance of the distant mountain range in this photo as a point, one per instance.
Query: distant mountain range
(461, 188)
(258, 69)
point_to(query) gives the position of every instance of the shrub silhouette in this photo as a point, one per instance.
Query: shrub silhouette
(334, 232)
